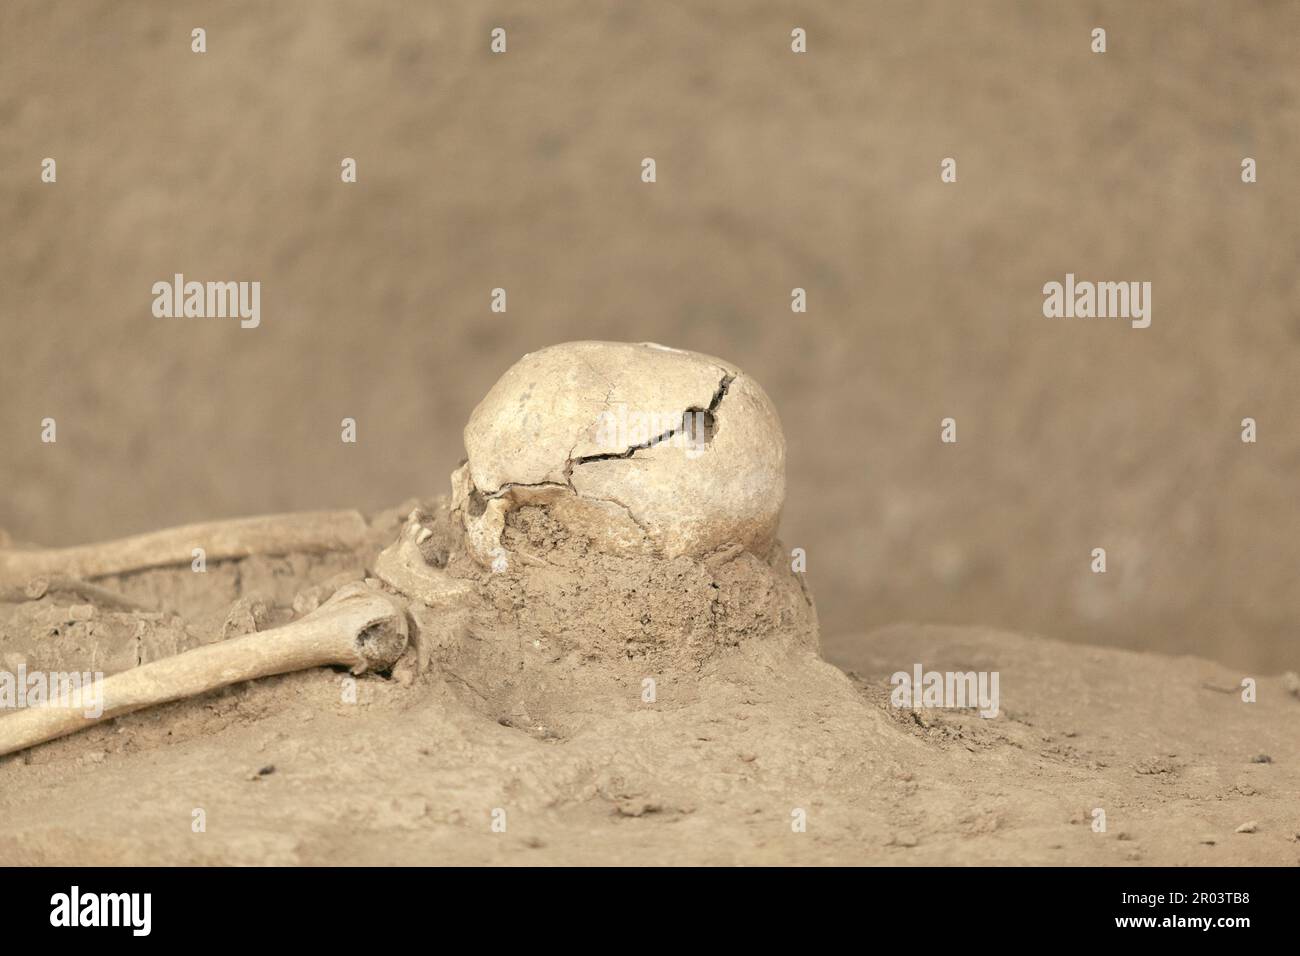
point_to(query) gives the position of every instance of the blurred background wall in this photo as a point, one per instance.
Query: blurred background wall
(775, 171)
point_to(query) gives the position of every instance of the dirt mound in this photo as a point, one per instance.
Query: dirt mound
(521, 732)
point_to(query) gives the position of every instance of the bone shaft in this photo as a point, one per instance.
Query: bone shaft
(40, 586)
(330, 635)
(311, 531)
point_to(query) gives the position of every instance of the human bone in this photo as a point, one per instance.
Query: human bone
(639, 447)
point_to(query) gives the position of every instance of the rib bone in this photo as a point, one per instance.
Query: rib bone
(309, 531)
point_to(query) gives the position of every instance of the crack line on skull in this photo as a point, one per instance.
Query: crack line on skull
(714, 402)
(570, 462)
(511, 485)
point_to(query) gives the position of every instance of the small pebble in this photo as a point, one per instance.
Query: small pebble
(1250, 827)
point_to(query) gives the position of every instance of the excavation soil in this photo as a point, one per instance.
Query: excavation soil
(584, 709)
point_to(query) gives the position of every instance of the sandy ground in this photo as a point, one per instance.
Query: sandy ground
(775, 171)
(284, 770)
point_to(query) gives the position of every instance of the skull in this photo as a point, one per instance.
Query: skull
(638, 447)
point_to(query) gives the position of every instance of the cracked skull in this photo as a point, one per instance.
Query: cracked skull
(637, 447)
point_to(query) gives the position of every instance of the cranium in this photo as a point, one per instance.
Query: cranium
(638, 447)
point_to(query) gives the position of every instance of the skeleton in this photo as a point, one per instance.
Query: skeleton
(553, 431)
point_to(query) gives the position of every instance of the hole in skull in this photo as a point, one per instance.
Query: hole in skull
(477, 503)
(698, 425)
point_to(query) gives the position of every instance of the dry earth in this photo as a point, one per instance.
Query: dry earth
(287, 772)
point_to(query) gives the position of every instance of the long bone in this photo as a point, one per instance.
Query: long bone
(310, 531)
(358, 627)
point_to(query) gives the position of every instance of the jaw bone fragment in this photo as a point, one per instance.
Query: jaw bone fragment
(403, 567)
